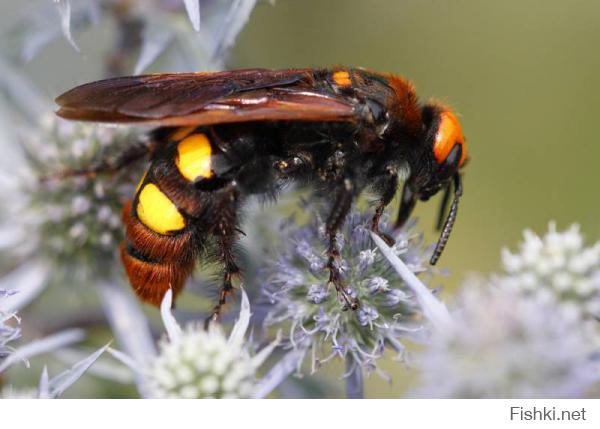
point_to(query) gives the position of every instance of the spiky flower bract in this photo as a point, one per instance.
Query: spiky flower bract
(8, 331)
(54, 387)
(146, 31)
(506, 345)
(557, 266)
(299, 297)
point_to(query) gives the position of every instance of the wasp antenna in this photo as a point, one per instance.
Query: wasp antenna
(443, 240)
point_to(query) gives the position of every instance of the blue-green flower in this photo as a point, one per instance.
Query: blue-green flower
(295, 285)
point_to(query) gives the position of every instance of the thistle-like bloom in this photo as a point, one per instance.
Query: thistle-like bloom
(296, 287)
(69, 221)
(557, 266)
(506, 345)
(198, 363)
(202, 364)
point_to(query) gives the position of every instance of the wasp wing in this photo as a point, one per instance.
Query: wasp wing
(207, 98)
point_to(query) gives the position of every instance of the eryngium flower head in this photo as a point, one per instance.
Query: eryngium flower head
(76, 219)
(296, 287)
(201, 364)
(506, 345)
(557, 266)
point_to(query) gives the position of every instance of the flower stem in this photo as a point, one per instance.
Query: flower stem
(279, 372)
(355, 388)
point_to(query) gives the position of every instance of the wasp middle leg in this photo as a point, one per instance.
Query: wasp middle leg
(339, 211)
(225, 231)
(130, 155)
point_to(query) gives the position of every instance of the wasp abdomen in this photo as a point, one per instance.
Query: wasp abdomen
(155, 262)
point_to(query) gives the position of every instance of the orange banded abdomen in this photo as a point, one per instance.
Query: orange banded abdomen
(154, 262)
(161, 246)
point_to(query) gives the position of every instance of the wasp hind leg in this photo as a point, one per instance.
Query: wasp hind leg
(225, 231)
(339, 211)
(131, 154)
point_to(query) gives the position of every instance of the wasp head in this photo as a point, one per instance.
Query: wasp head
(438, 168)
(446, 151)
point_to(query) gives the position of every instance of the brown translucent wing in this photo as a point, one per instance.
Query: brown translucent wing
(206, 98)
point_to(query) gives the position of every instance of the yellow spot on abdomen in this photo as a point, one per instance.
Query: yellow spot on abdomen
(342, 78)
(157, 212)
(193, 157)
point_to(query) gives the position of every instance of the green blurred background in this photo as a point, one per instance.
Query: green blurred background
(523, 75)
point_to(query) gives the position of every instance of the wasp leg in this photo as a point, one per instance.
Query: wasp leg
(407, 204)
(339, 211)
(387, 195)
(226, 232)
(131, 154)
